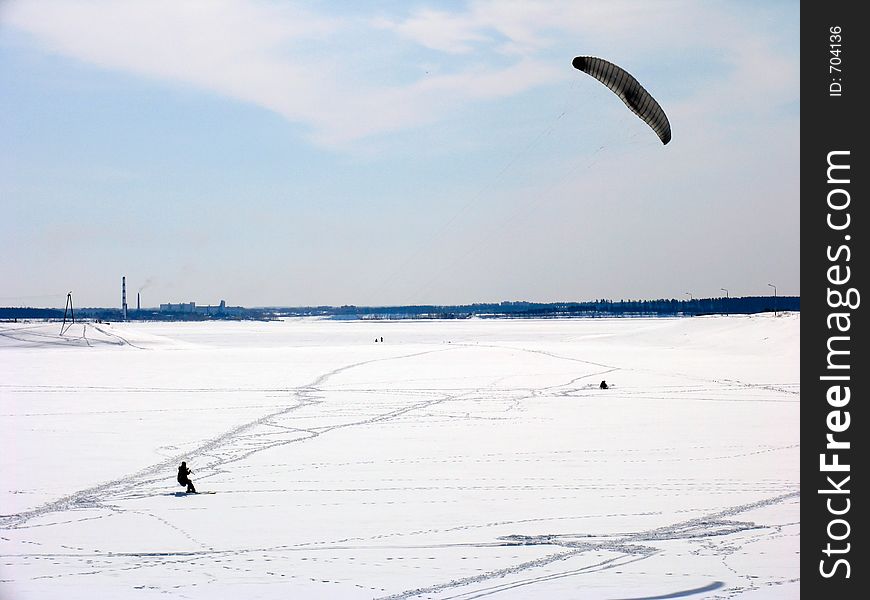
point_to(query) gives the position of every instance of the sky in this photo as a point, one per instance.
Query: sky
(381, 153)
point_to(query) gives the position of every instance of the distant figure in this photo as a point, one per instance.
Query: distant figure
(382, 338)
(376, 340)
(603, 385)
(183, 478)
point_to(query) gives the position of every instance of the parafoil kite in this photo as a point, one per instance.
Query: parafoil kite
(629, 90)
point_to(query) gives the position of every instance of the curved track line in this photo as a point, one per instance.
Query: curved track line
(306, 395)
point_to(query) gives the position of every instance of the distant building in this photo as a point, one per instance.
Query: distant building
(191, 308)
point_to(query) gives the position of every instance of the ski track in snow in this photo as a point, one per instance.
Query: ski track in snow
(36, 336)
(629, 545)
(226, 448)
(275, 429)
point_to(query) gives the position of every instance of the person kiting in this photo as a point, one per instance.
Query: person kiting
(183, 478)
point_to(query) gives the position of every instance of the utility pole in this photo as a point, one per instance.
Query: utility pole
(774, 298)
(124, 298)
(68, 309)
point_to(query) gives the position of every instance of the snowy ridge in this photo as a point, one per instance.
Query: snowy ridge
(76, 335)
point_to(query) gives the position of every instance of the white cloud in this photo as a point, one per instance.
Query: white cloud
(438, 30)
(524, 26)
(288, 59)
(270, 55)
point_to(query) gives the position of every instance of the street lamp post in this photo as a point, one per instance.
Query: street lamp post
(724, 290)
(774, 298)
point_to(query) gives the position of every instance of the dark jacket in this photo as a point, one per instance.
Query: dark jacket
(183, 472)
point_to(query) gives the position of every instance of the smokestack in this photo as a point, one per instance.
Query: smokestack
(124, 297)
(138, 306)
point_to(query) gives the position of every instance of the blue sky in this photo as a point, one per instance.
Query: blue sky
(281, 153)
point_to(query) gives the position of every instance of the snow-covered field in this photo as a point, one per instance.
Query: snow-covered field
(457, 459)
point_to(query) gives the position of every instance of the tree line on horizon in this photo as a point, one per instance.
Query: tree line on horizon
(508, 309)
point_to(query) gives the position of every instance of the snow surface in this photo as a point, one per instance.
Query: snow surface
(457, 459)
